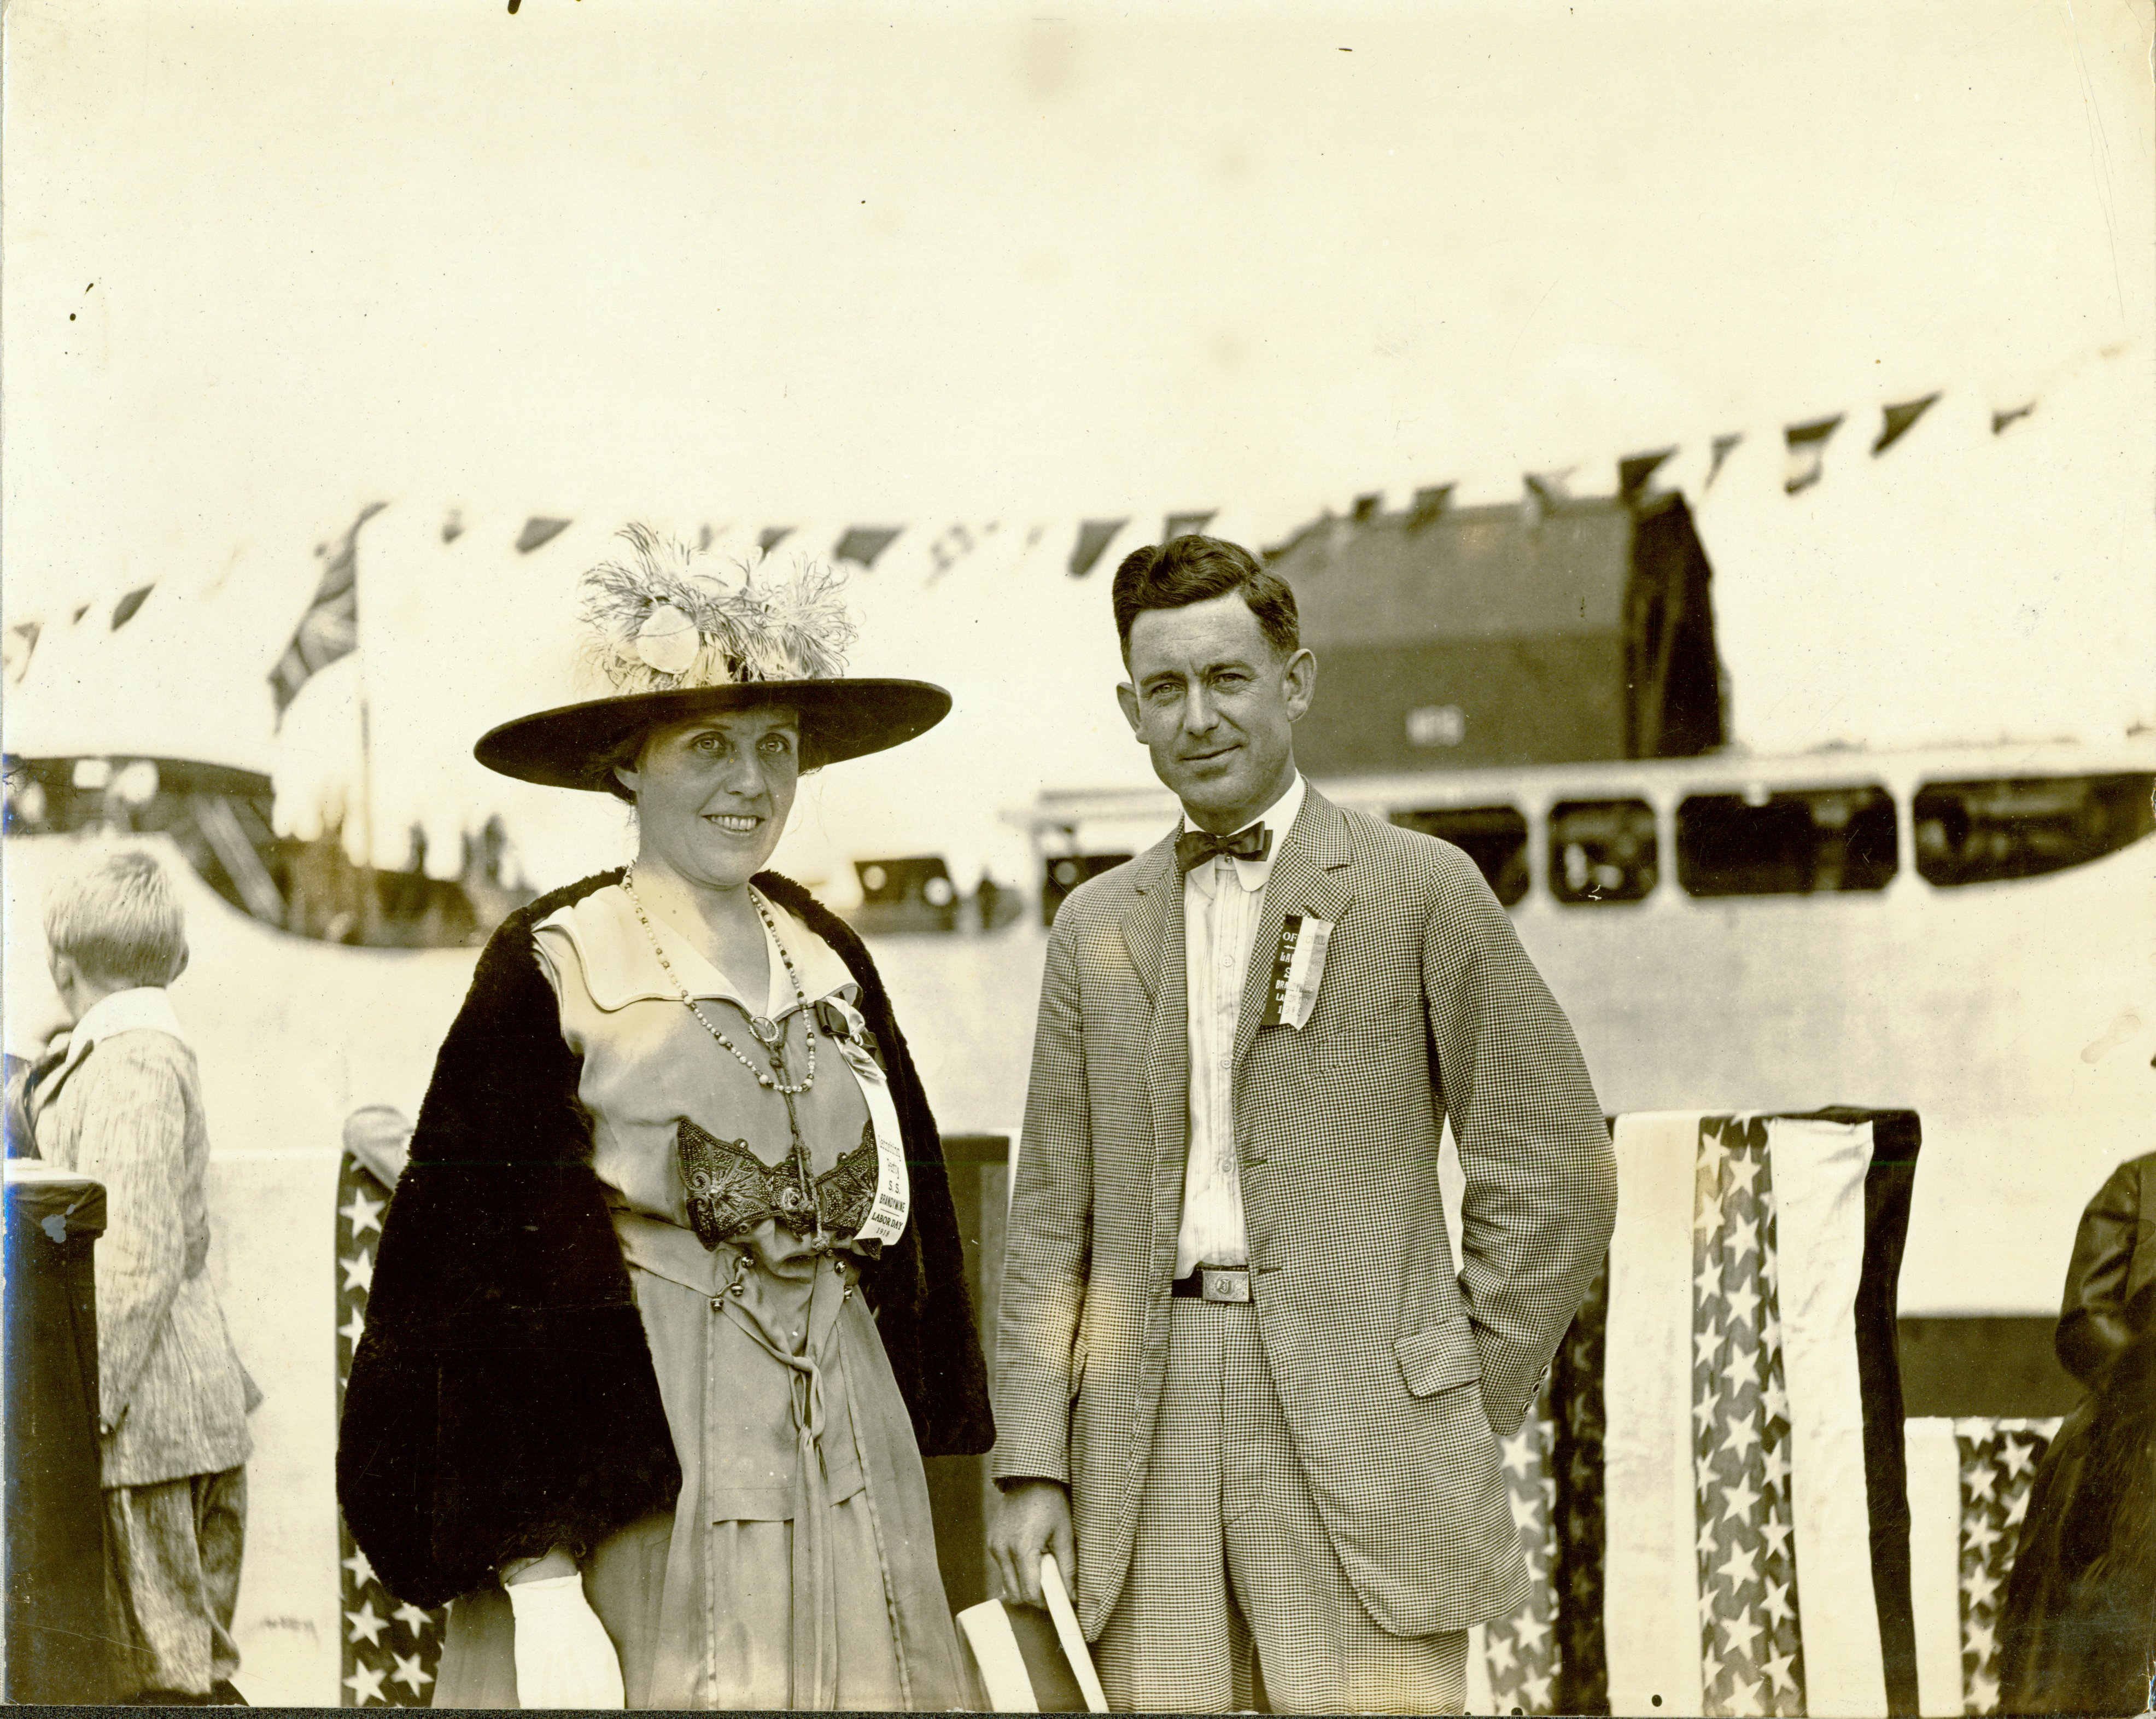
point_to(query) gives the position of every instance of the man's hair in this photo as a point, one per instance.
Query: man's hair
(1194, 569)
(121, 921)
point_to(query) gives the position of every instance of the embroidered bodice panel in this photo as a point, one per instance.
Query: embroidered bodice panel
(731, 1191)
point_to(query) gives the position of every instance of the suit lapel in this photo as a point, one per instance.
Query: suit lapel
(1309, 877)
(1153, 932)
(1155, 919)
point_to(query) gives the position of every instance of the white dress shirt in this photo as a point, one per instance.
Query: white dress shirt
(1223, 903)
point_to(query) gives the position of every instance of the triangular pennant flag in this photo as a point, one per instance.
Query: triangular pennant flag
(949, 547)
(1430, 502)
(123, 611)
(22, 642)
(538, 532)
(1898, 420)
(330, 629)
(1184, 525)
(1094, 535)
(75, 618)
(771, 536)
(865, 543)
(1807, 445)
(2012, 415)
(1636, 471)
(1723, 447)
(1541, 492)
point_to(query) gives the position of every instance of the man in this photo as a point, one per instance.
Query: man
(1233, 1341)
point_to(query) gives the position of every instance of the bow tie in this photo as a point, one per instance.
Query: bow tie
(1194, 847)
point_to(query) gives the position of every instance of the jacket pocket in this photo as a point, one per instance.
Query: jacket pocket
(1438, 1357)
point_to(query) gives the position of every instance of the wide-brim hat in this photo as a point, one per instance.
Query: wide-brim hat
(678, 635)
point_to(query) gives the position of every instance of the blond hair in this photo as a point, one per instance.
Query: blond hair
(121, 921)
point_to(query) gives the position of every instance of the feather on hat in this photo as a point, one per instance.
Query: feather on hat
(677, 634)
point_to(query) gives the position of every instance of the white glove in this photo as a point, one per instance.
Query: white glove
(564, 1657)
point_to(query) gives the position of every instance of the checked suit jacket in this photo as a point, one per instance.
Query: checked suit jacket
(1397, 1367)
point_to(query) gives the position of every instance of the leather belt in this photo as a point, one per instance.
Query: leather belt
(1214, 1283)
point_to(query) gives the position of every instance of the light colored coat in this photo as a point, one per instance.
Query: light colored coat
(1428, 1007)
(127, 1110)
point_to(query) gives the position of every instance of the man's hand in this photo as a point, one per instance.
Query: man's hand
(1034, 1517)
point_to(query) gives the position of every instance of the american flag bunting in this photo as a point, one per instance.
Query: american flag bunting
(388, 1650)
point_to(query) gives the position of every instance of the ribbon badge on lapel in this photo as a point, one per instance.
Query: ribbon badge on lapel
(1298, 969)
(894, 1195)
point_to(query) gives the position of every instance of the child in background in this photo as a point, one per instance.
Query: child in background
(124, 1106)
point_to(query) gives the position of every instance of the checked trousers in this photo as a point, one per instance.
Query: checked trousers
(1235, 1597)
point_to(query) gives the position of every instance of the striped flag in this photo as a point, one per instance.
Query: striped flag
(330, 629)
(1520, 1655)
(1714, 1481)
(1969, 1481)
(389, 1649)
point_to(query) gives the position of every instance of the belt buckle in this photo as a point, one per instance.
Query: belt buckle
(1224, 1283)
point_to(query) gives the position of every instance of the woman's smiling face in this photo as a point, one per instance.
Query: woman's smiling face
(712, 794)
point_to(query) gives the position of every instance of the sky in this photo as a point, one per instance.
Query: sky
(265, 261)
(268, 262)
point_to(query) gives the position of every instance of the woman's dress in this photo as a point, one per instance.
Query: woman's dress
(798, 1568)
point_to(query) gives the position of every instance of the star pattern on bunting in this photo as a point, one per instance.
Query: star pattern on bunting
(390, 1650)
(1521, 1651)
(1751, 1648)
(1997, 1464)
(1580, 1672)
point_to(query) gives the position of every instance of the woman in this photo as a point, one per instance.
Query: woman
(2077, 1629)
(669, 1302)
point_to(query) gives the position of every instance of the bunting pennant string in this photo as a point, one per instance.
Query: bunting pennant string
(22, 644)
(1428, 504)
(1094, 535)
(1723, 447)
(1898, 421)
(1636, 471)
(123, 611)
(537, 533)
(863, 544)
(1807, 445)
(329, 629)
(950, 546)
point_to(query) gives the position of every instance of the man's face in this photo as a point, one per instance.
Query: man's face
(1216, 706)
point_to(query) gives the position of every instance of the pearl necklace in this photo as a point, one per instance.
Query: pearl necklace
(770, 1034)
